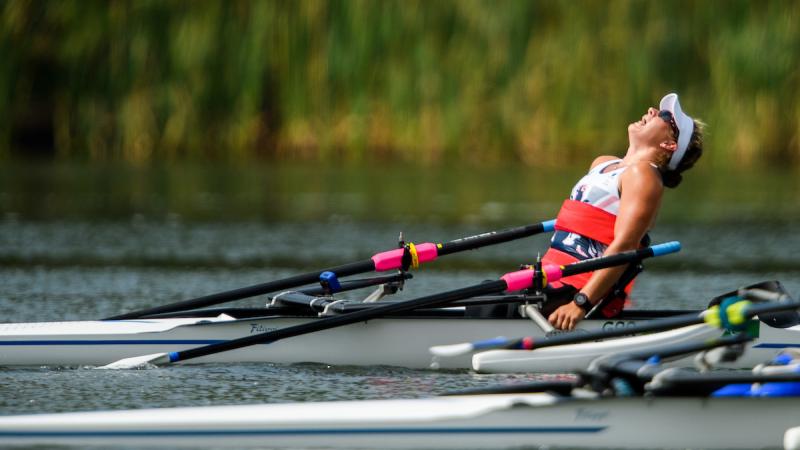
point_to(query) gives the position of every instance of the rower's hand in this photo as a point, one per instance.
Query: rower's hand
(566, 317)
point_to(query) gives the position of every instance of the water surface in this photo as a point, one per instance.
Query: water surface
(83, 248)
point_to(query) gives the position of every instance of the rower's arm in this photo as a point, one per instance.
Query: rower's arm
(641, 192)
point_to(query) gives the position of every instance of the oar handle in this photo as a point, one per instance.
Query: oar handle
(422, 253)
(619, 259)
(523, 279)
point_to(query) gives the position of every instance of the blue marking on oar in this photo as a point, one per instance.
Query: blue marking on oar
(173, 356)
(490, 343)
(549, 225)
(666, 248)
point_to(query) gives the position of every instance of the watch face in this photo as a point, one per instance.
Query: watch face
(582, 300)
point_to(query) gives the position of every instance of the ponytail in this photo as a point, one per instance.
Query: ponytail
(672, 178)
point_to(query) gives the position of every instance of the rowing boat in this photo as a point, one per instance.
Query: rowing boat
(95, 343)
(625, 401)
(572, 357)
(478, 421)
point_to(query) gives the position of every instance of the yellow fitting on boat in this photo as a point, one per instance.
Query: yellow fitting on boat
(730, 315)
(737, 312)
(412, 250)
(711, 317)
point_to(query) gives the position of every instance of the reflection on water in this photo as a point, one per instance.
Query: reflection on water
(73, 389)
(392, 193)
(88, 243)
(707, 247)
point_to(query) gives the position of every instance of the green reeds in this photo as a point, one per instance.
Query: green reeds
(541, 82)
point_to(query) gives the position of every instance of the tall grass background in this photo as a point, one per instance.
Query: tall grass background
(542, 83)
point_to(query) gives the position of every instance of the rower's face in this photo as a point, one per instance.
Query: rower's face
(651, 128)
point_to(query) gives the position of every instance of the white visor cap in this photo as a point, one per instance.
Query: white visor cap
(685, 127)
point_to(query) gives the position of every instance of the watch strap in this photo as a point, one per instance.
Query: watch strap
(582, 300)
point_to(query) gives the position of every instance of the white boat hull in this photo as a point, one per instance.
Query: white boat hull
(97, 343)
(488, 421)
(578, 356)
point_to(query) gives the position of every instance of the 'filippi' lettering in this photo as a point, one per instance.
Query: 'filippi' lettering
(257, 328)
(594, 415)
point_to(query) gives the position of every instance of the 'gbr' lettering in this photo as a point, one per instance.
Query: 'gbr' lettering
(617, 324)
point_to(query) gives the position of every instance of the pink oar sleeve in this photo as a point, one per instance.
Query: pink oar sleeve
(523, 279)
(393, 259)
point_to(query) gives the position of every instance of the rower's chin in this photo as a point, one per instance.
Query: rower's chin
(633, 131)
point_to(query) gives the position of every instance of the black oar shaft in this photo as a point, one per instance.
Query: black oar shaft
(250, 291)
(344, 319)
(493, 237)
(458, 245)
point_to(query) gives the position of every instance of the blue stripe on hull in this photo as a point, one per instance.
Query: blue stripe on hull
(775, 345)
(299, 431)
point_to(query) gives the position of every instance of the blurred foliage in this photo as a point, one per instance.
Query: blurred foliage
(545, 83)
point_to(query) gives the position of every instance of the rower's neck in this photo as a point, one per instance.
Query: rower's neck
(651, 155)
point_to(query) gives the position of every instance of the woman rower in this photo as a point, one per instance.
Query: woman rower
(611, 209)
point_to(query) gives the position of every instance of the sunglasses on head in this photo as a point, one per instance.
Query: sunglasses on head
(667, 116)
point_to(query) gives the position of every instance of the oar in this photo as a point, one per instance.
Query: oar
(315, 299)
(737, 312)
(513, 281)
(410, 255)
(599, 373)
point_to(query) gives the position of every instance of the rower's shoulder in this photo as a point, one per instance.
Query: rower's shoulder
(644, 168)
(602, 160)
(642, 173)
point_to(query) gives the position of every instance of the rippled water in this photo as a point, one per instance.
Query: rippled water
(79, 270)
(57, 269)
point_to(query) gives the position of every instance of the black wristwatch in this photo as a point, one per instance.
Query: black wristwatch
(582, 300)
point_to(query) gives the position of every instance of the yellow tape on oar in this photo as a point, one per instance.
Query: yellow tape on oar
(412, 250)
(731, 314)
